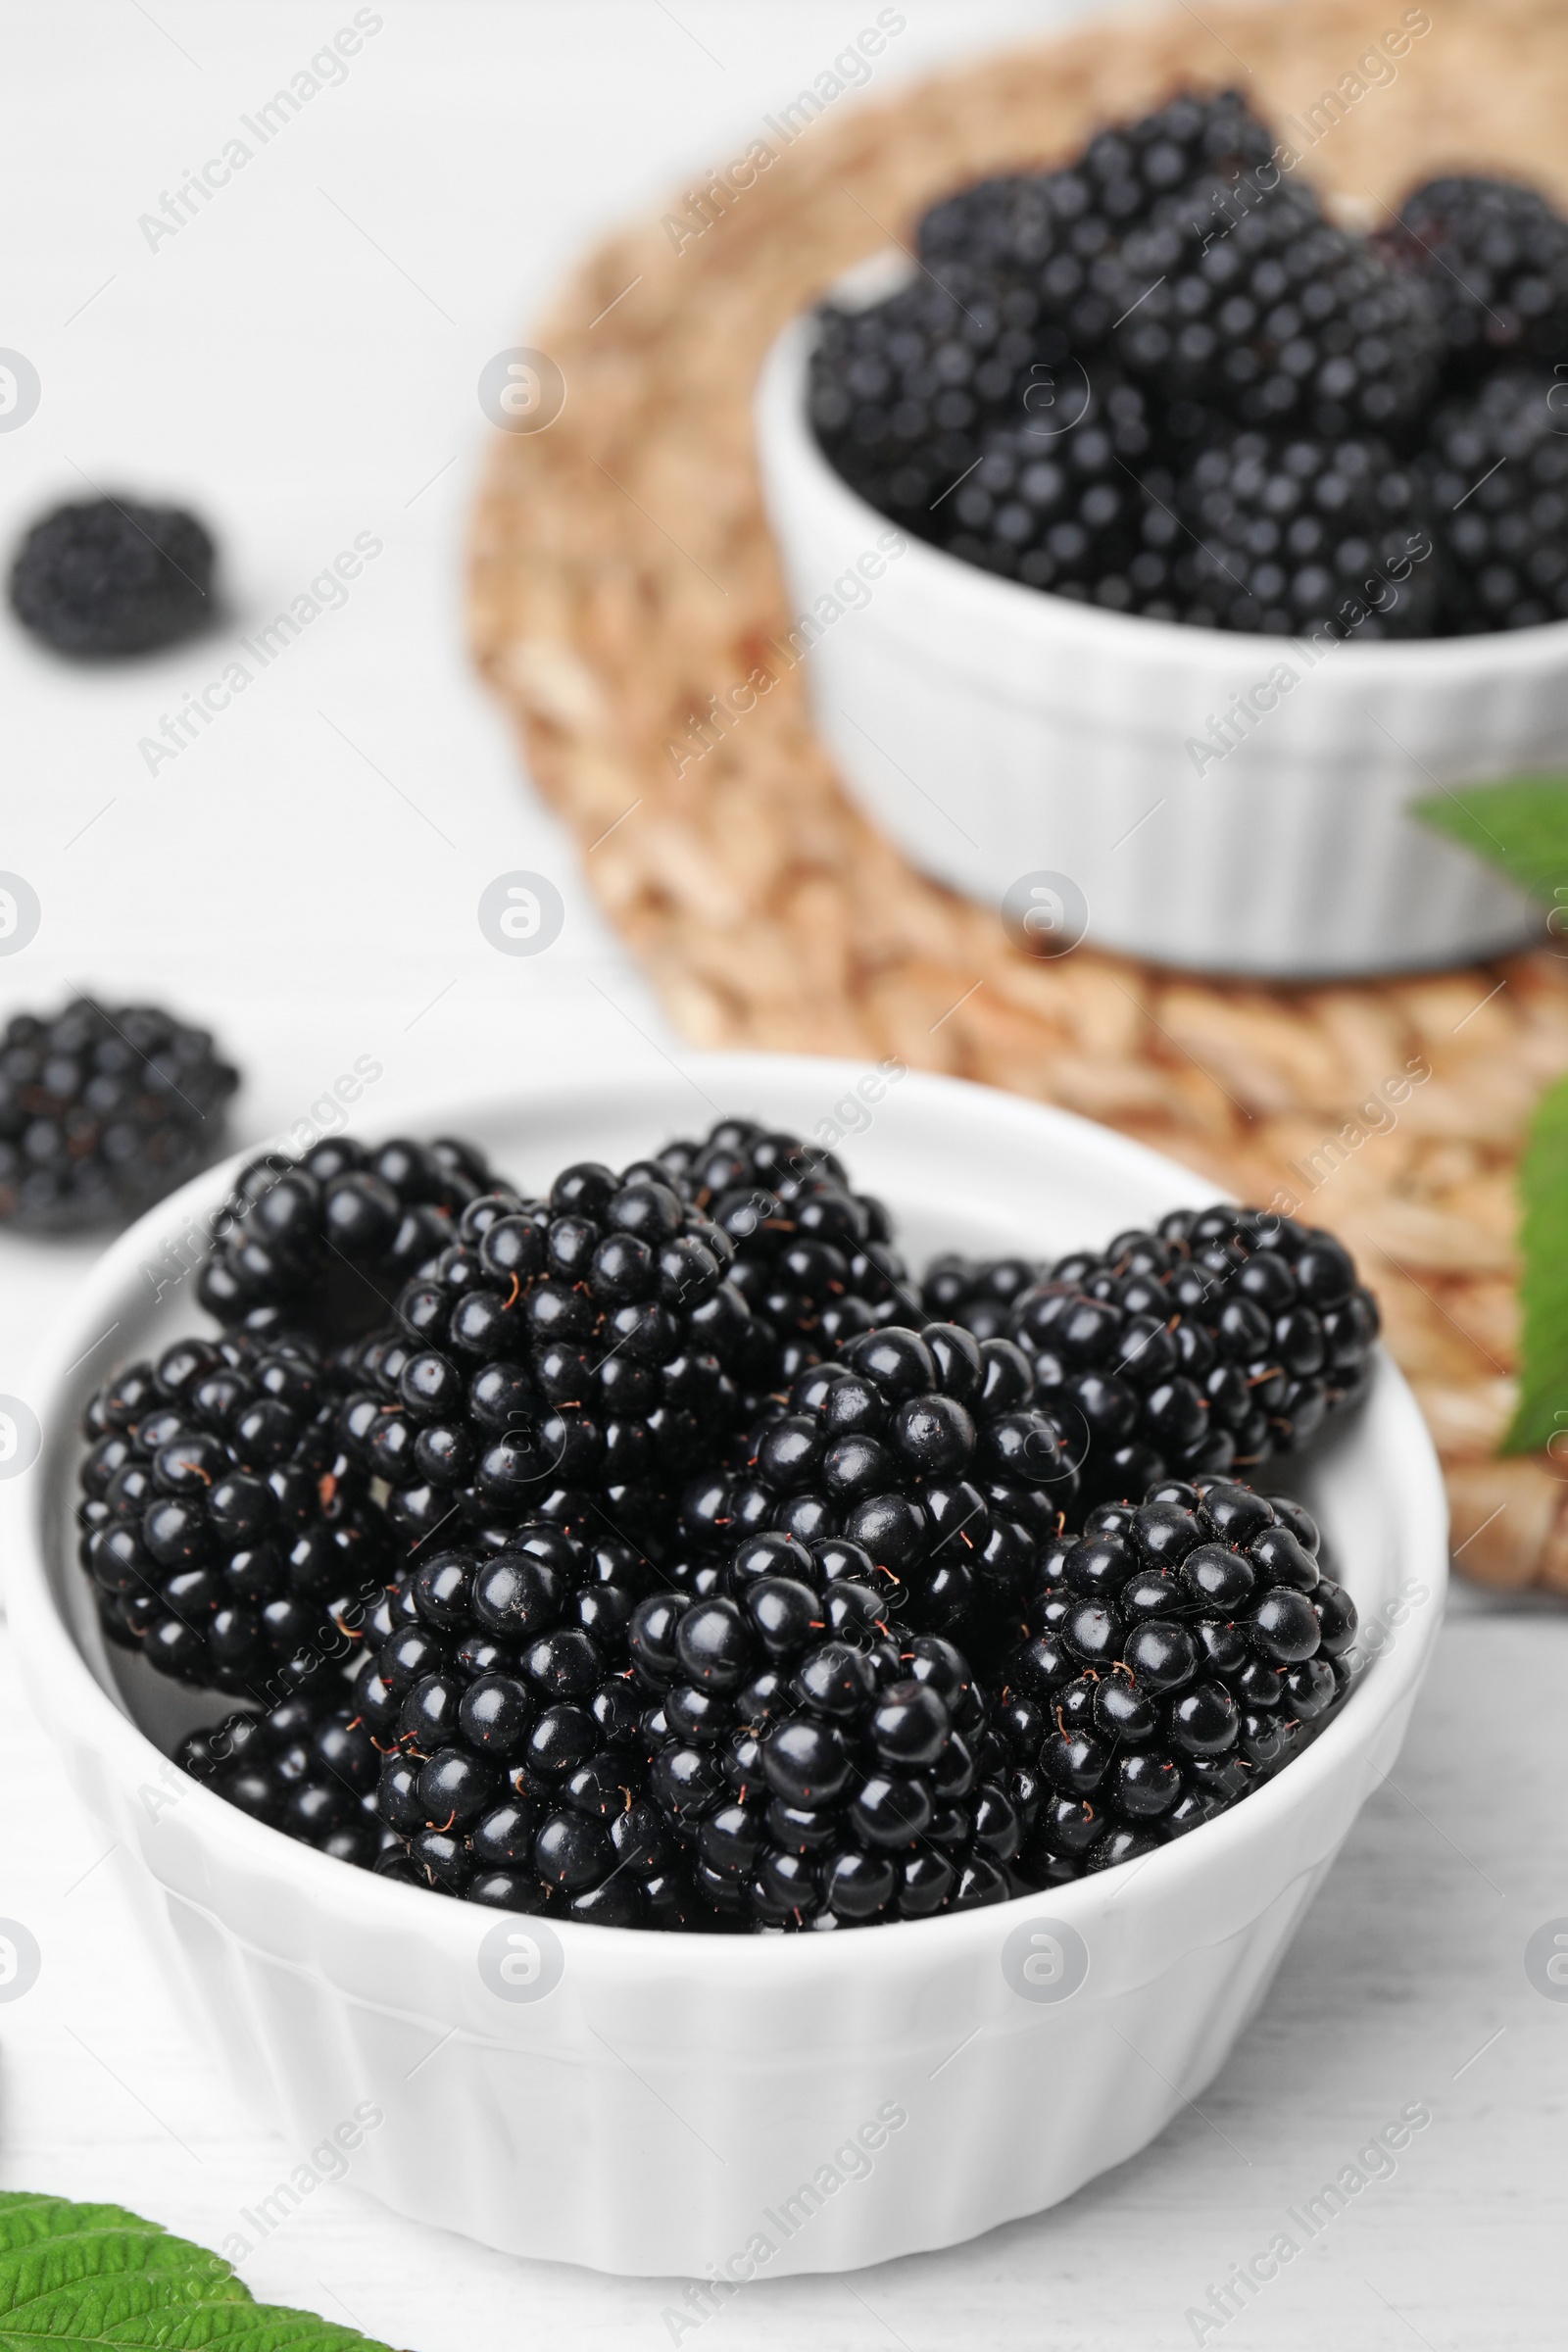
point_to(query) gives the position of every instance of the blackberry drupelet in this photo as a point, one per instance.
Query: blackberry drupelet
(307, 1767)
(1493, 256)
(324, 1243)
(113, 576)
(104, 1112)
(229, 1540)
(814, 1259)
(1227, 1336)
(819, 1767)
(1498, 471)
(572, 1355)
(924, 1453)
(512, 1769)
(1177, 1654)
(1289, 534)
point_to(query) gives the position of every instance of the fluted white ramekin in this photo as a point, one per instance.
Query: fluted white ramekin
(996, 732)
(666, 2103)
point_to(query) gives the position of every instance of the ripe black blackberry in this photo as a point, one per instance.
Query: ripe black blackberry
(102, 1111)
(571, 1355)
(1493, 256)
(925, 1453)
(113, 576)
(229, 1539)
(513, 1771)
(1247, 299)
(814, 1259)
(1177, 1654)
(901, 391)
(1496, 468)
(1225, 1337)
(1060, 236)
(1288, 534)
(819, 1767)
(324, 1243)
(306, 1767)
(1067, 510)
(1174, 246)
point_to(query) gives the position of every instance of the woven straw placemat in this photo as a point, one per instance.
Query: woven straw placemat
(623, 574)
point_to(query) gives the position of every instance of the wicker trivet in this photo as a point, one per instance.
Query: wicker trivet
(623, 574)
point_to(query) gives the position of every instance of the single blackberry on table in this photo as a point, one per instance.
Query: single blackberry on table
(324, 1243)
(229, 1540)
(1177, 1654)
(814, 1259)
(1493, 255)
(307, 1767)
(1288, 534)
(1225, 1337)
(577, 1352)
(924, 1452)
(113, 576)
(103, 1112)
(1496, 468)
(495, 1689)
(821, 1766)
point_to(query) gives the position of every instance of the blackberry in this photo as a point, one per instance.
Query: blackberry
(113, 576)
(228, 1537)
(1224, 1338)
(102, 1112)
(1288, 535)
(1496, 468)
(324, 1243)
(1174, 245)
(573, 1354)
(1256, 305)
(820, 1768)
(925, 1453)
(307, 1768)
(1060, 236)
(512, 1769)
(1067, 511)
(814, 1259)
(1176, 1655)
(901, 391)
(1493, 255)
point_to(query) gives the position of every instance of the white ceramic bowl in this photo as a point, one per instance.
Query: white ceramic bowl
(997, 733)
(660, 2103)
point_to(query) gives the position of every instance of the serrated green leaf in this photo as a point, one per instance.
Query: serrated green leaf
(1543, 1282)
(103, 2279)
(1520, 826)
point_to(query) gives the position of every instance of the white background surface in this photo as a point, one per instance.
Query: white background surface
(300, 362)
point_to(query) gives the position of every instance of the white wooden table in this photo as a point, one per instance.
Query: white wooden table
(300, 359)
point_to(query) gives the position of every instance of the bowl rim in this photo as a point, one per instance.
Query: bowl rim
(337, 1895)
(786, 441)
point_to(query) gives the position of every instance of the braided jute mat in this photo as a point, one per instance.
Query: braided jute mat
(623, 574)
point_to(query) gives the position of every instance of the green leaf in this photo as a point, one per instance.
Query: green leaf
(1520, 826)
(96, 2277)
(1543, 1285)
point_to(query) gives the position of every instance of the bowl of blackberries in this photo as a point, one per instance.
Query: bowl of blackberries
(1148, 525)
(805, 1664)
